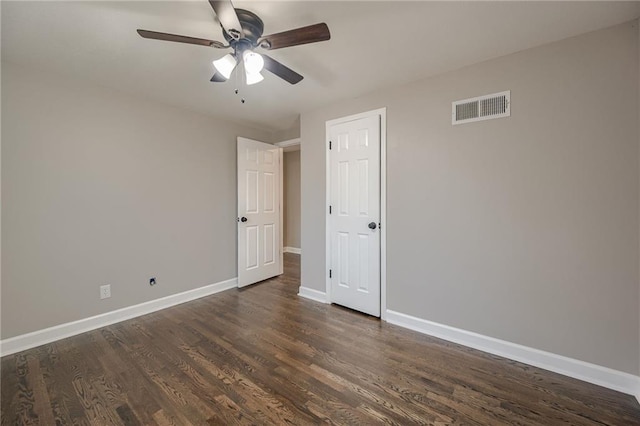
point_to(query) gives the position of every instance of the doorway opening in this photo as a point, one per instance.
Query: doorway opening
(291, 205)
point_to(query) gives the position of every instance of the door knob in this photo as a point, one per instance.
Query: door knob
(372, 225)
(243, 219)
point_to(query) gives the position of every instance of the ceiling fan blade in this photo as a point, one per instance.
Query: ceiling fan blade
(304, 35)
(218, 78)
(180, 39)
(280, 70)
(228, 17)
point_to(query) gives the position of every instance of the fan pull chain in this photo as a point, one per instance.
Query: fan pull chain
(238, 71)
(235, 77)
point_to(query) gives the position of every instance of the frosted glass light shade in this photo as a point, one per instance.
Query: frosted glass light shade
(253, 78)
(253, 62)
(225, 65)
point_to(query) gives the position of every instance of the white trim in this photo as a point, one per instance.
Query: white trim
(592, 373)
(327, 217)
(383, 213)
(309, 293)
(281, 218)
(294, 250)
(31, 340)
(382, 112)
(290, 142)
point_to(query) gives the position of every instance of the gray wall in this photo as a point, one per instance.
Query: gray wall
(292, 199)
(292, 132)
(522, 228)
(102, 188)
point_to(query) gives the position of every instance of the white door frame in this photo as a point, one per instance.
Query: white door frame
(382, 113)
(289, 144)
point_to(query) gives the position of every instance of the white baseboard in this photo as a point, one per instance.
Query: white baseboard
(309, 293)
(295, 250)
(592, 373)
(51, 334)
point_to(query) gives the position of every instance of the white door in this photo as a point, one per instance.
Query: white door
(259, 211)
(354, 219)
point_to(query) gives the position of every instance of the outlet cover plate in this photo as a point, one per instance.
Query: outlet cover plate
(105, 291)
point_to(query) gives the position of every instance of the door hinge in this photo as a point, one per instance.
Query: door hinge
(329, 144)
(329, 209)
(329, 273)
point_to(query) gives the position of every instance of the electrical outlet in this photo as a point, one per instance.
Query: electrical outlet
(152, 281)
(105, 291)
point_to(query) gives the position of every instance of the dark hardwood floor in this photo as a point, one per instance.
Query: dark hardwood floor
(262, 355)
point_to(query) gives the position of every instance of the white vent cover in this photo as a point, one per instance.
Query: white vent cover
(496, 105)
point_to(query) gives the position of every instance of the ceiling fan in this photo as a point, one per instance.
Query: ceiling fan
(243, 32)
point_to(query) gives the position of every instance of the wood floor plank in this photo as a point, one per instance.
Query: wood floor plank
(263, 355)
(24, 398)
(42, 402)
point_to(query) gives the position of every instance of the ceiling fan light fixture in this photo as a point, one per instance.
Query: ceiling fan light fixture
(253, 78)
(243, 31)
(225, 65)
(253, 62)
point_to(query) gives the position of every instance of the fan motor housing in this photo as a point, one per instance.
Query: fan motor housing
(252, 28)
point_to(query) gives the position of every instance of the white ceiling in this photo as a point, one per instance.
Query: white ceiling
(373, 45)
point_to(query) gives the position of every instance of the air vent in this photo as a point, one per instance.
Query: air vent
(496, 105)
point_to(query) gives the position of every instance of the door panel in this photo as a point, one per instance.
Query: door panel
(269, 244)
(259, 211)
(269, 192)
(363, 262)
(252, 247)
(252, 191)
(355, 201)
